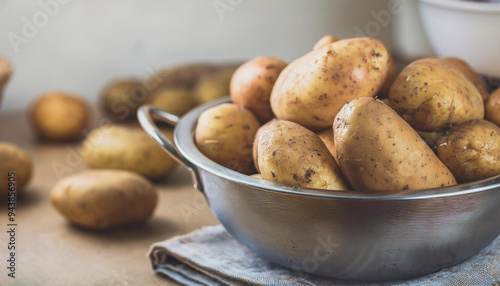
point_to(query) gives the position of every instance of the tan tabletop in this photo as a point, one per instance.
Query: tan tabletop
(51, 251)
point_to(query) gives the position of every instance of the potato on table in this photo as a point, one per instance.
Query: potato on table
(225, 134)
(432, 94)
(252, 83)
(102, 199)
(312, 89)
(122, 97)
(59, 116)
(127, 148)
(379, 152)
(293, 155)
(471, 150)
(13, 160)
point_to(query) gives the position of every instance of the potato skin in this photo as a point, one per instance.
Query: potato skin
(213, 86)
(471, 150)
(327, 137)
(225, 134)
(293, 155)
(324, 41)
(126, 148)
(122, 97)
(5, 74)
(252, 83)
(493, 107)
(432, 94)
(101, 199)
(379, 152)
(471, 75)
(175, 100)
(13, 159)
(312, 89)
(59, 116)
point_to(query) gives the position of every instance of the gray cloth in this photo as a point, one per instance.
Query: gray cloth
(211, 256)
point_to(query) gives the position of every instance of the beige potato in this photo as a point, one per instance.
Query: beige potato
(5, 74)
(252, 83)
(185, 75)
(175, 100)
(378, 151)
(101, 199)
(312, 89)
(15, 164)
(432, 94)
(471, 75)
(471, 150)
(127, 148)
(213, 86)
(327, 137)
(392, 73)
(493, 107)
(59, 116)
(225, 134)
(324, 41)
(122, 97)
(292, 155)
(255, 147)
(257, 176)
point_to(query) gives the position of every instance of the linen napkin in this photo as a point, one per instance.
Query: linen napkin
(211, 256)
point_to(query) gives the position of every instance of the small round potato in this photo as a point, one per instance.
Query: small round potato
(252, 83)
(175, 100)
(493, 107)
(101, 199)
(225, 134)
(471, 150)
(14, 163)
(122, 97)
(126, 148)
(59, 116)
(471, 75)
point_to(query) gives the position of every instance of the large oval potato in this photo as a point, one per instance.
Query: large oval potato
(379, 152)
(312, 89)
(292, 155)
(471, 75)
(225, 134)
(432, 94)
(471, 150)
(60, 116)
(122, 97)
(104, 198)
(127, 148)
(252, 83)
(493, 107)
(15, 163)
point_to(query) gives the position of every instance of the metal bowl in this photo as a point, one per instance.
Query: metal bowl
(343, 235)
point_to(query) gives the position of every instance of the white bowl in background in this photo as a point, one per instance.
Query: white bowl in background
(465, 29)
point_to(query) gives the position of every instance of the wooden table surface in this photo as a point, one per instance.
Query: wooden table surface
(51, 251)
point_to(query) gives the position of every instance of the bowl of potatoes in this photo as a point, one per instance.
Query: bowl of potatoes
(340, 183)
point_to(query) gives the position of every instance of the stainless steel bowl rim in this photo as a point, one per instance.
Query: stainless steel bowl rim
(185, 145)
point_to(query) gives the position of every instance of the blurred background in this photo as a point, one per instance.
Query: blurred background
(79, 46)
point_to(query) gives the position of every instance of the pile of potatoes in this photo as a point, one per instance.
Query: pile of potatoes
(342, 118)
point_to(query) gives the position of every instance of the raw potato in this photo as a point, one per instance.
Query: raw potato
(327, 138)
(252, 83)
(257, 176)
(101, 199)
(13, 159)
(493, 107)
(213, 86)
(59, 116)
(127, 148)
(312, 89)
(392, 73)
(324, 41)
(379, 152)
(471, 150)
(122, 97)
(225, 134)
(292, 155)
(471, 75)
(255, 150)
(175, 100)
(432, 94)
(5, 74)
(179, 76)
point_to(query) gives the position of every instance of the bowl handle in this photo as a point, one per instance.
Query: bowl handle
(145, 116)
